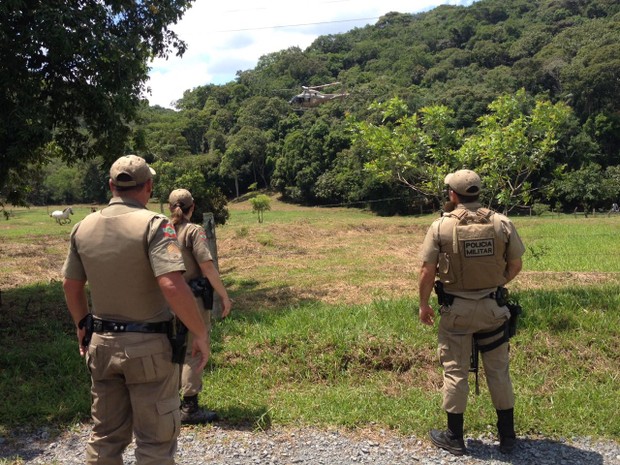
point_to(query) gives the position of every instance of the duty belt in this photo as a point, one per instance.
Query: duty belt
(106, 326)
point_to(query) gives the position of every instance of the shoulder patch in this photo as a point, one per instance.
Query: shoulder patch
(168, 230)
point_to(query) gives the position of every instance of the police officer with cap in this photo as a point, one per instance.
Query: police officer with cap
(132, 262)
(199, 263)
(473, 252)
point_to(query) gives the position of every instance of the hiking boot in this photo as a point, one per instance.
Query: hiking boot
(447, 441)
(192, 414)
(507, 445)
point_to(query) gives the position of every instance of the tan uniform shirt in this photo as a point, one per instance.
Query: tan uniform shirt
(432, 247)
(120, 250)
(194, 247)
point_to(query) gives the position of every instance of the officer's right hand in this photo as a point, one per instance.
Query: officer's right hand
(427, 314)
(200, 346)
(81, 332)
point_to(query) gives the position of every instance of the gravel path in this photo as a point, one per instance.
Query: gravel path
(217, 445)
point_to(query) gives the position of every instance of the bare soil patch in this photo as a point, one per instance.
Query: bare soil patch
(285, 264)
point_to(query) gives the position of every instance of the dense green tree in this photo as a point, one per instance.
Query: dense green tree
(247, 153)
(612, 175)
(417, 151)
(72, 73)
(62, 184)
(512, 143)
(586, 187)
(94, 185)
(188, 173)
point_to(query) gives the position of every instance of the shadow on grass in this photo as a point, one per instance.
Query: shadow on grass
(245, 419)
(43, 379)
(249, 295)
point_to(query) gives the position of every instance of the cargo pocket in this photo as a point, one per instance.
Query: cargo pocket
(457, 320)
(147, 361)
(169, 424)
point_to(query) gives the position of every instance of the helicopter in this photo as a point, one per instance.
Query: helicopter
(312, 97)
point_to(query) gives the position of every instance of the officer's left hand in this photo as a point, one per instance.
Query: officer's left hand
(227, 306)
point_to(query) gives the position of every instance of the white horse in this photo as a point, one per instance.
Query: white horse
(62, 217)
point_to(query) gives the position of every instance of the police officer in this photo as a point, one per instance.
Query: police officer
(198, 263)
(132, 262)
(473, 251)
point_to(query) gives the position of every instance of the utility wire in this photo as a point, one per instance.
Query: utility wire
(271, 7)
(297, 25)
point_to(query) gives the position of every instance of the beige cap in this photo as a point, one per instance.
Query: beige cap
(130, 170)
(181, 197)
(464, 182)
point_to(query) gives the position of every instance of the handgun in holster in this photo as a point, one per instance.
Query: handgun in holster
(178, 340)
(201, 287)
(443, 298)
(86, 323)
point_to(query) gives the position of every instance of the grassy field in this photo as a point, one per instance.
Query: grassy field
(324, 330)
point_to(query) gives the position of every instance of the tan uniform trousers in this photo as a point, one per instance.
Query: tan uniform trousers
(134, 387)
(457, 324)
(191, 380)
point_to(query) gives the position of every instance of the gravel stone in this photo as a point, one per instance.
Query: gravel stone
(223, 445)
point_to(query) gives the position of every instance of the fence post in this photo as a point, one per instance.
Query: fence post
(208, 222)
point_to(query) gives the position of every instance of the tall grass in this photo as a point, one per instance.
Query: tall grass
(374, 364)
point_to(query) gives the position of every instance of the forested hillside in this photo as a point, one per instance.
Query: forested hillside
(451, 62)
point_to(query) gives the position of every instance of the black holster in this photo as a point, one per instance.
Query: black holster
(201, 287)
(501, 296)
(178, 340)
(515, 311)
(87, 323)
(442, 297)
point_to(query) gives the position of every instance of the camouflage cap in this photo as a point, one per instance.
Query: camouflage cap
(464, 182)
(181, 197)
(130, 170)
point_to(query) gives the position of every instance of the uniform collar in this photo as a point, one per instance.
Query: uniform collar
(473, 206)
(130, 202)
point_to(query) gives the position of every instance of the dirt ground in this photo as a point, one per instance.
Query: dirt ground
(291, 263)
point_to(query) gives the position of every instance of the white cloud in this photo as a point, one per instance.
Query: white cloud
(230, 36)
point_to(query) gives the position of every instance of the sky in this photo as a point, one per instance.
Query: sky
(227, 36)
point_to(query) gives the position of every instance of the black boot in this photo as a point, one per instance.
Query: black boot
(506, 430)
(192, 414)
(452, 438)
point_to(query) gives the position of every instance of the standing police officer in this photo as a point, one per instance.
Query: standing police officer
(474, 252)
(199, 264)
(133, 265)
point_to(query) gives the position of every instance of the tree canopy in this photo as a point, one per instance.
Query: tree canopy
(71, 76)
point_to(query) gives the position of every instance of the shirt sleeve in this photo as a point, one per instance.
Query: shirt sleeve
(515, 247)
(200, 244)
(429, 253)
(163, 249)
(73, 267)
